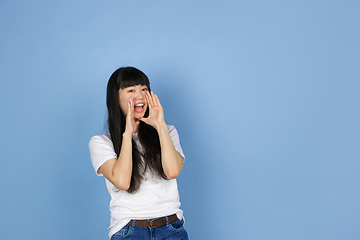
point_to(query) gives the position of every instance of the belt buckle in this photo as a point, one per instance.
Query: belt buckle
(152, 222)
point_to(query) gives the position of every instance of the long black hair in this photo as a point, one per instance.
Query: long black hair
(150, 158)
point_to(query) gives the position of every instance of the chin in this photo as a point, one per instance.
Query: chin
(139, 116)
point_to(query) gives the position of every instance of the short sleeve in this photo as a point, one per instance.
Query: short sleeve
(176, 141)
(101, 149)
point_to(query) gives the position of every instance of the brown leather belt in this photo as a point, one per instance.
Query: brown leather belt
(154, 223)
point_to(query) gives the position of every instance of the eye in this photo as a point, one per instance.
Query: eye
(145, 89)
(131, 90)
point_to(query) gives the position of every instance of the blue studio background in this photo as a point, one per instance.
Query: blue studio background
(264, 94)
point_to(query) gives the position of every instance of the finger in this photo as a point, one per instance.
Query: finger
(150, 100)
(157, 101)
(129, 117)
(131, 107)
(128, 113)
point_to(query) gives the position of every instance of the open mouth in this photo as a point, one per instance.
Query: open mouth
(139, 107)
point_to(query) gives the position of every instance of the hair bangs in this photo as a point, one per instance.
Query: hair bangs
(131, 77)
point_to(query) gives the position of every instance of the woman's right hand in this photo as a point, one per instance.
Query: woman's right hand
(118, 171)
(132, 124)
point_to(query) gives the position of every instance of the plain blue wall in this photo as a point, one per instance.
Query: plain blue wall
(265, 96)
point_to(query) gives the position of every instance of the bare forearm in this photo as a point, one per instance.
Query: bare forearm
(171, 160)
(123, 166)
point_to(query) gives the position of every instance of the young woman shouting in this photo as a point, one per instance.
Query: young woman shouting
(141, 158)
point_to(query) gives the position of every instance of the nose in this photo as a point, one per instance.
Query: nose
(139, 95)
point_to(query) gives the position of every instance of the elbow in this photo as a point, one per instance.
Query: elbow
(172, 174)
(122, 185)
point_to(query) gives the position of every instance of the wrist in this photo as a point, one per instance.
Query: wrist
(161, 125)
(127, 134)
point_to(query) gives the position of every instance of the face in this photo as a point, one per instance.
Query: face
(136, 94)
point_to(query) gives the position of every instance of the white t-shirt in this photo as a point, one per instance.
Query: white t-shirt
(156, 196)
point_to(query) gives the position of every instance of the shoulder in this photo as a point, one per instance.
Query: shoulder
(175, 139)
(171, 128)
(101, 150)
(100, 139)
(173, 133)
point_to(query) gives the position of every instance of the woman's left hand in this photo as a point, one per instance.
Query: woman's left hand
(156, 113)
(171, 160)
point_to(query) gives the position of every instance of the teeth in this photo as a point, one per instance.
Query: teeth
(139, 105)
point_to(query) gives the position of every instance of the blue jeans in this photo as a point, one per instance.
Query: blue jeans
(172, 231)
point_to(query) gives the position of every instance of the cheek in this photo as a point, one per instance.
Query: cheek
(124, 105)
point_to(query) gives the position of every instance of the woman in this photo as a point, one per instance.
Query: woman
(141, 158)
